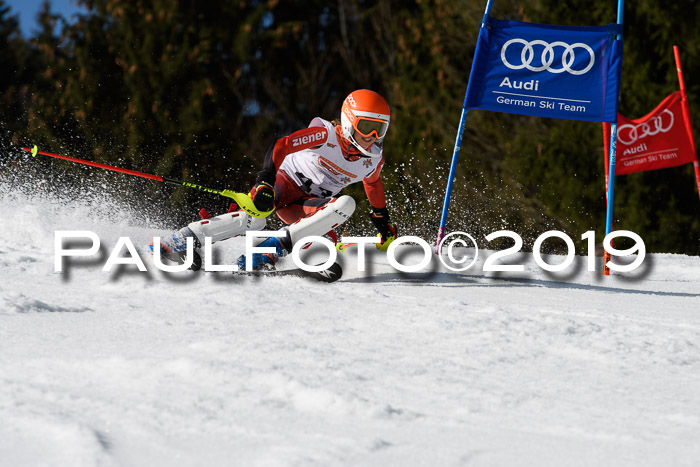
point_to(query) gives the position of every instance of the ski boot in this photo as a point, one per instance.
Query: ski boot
(264, 261)
(174, 248)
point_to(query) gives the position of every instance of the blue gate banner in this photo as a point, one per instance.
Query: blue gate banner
(545, 70)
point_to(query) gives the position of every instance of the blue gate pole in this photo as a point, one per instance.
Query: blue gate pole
(450, 180)
(613, 156)
(458, 145)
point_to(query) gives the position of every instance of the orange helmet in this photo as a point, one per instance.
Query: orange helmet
(368, 114)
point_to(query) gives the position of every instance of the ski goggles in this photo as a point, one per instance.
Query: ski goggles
(371, 127)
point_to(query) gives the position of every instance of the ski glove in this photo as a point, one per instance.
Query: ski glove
(263, 196)
(387, 229)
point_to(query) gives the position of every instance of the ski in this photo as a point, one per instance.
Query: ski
(332, 274)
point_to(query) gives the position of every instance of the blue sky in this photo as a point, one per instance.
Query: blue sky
(28, 9)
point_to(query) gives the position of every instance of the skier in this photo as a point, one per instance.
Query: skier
(301, 179)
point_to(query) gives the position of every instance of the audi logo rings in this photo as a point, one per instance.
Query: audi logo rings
(629, 134)
(567, 58)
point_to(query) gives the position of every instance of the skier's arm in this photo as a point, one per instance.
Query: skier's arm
(263, 193)
(374, 188)
(273, 159)
(379, 214)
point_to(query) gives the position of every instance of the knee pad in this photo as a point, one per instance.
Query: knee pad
(330, 216)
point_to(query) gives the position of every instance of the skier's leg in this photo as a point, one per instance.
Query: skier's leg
(323, 215)
(231, 224)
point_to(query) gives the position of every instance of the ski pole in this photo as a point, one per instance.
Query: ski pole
(242, 199)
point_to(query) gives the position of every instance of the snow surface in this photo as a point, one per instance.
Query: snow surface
(149, 369)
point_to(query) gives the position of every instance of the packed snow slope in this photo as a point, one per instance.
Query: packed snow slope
(380, 368)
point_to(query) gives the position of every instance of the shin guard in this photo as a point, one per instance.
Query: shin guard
(231, 224)
(330, 216)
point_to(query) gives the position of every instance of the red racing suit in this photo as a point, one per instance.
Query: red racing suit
(310, 166)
